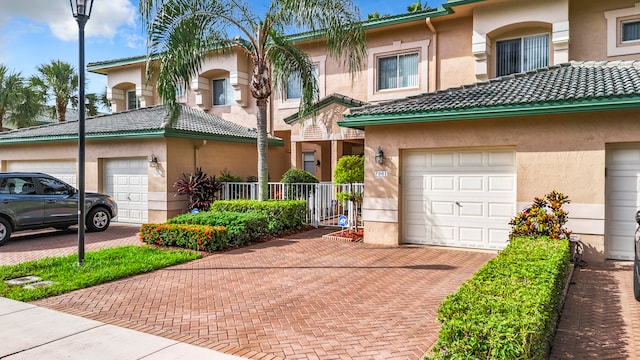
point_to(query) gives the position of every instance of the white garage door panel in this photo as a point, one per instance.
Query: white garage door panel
(459, 198)
(64, 170)
(622, 200)
(126, 180)
(471, 209)
(473, 235)
(501, 210)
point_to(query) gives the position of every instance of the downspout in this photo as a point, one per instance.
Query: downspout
(433, 83)
(196, 149)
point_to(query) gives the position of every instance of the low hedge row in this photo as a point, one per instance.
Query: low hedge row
(242, 228)
(509, 308)
(196, 237)
(229, 223)
(282, 215)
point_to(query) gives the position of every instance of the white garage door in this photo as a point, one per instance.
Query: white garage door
(461, 198)
(126, 180)
(622, 201)
(64, 170)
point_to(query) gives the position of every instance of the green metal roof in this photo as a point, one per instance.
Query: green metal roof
(565, 88)
(149, 122)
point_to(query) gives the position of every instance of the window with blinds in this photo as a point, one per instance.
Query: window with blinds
(294, 85)
(630, 30)
(522, 54)
(398, 71)
(132, 100)
(219, 91)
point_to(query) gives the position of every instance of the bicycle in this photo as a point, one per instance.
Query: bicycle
(576, 249)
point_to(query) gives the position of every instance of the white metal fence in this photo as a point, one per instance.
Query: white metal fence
(323, 206)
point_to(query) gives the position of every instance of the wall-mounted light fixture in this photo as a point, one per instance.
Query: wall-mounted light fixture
(318, 163)
(380, 156)
(153, 161)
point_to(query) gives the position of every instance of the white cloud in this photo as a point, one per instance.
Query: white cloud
(106, 17)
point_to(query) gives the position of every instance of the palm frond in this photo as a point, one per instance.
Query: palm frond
(338, 20)
(287, 60)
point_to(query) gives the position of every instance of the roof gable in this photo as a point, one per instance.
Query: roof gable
(326, 101)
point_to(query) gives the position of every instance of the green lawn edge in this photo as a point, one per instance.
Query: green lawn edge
(100, 266)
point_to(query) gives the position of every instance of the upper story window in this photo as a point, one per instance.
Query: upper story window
(522, 54)
(181, 93)
(630, 30)
(398, 71)
(180, 90)
(220, 92)
(623, 31)
(132, 100)
(294, 85)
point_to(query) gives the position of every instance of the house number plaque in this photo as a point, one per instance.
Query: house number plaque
(380, 173)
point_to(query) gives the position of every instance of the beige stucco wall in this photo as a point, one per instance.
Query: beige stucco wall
(321, 135)
(588, 28)
(414, 36)
(455, 63)
(499, 20)
(239, 159)
(561, 152)
(175, 157)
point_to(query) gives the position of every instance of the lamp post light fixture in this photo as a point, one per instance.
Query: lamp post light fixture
(81, 10)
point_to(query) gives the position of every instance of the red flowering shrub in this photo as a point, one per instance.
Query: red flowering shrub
(196, 237)
(545, 217)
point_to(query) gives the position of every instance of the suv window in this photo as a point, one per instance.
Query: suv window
(17, 185)
(53, 187)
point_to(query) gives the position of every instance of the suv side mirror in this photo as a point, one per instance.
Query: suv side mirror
(638, 217)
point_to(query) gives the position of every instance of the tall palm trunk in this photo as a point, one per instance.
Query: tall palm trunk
(61, 108)
(261, 90)
(263, 152)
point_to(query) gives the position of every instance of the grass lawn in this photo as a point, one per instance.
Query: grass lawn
(99, 267)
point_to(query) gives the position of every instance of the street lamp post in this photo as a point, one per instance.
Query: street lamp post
(81, 10)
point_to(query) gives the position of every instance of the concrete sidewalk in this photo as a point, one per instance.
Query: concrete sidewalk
(32, 332)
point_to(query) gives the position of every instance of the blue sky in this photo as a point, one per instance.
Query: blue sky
(34, 32)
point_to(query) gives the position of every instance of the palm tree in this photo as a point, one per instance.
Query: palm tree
(57, 81)
(416, 7)
(182, 33)
(19, 104)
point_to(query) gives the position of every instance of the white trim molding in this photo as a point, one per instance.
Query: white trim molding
(422, 47)
(614, 46)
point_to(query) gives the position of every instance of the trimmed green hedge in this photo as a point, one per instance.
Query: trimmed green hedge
(242, 228)
(196, 237)
(282, 215)
(509, 308)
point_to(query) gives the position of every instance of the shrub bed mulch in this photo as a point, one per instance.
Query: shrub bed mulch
(346, 235)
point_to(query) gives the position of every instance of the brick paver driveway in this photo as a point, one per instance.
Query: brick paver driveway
(601, 318)
(300, 297)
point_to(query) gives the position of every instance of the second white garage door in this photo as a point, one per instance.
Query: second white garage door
(127, 181)
(622, 200)
(461, 198)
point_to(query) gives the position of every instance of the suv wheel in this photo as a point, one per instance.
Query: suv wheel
(5, 231)
(98, 219)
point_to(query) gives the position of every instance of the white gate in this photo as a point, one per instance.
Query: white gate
(323, 206)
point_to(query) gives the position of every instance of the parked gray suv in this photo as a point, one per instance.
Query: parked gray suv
(36, 200)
